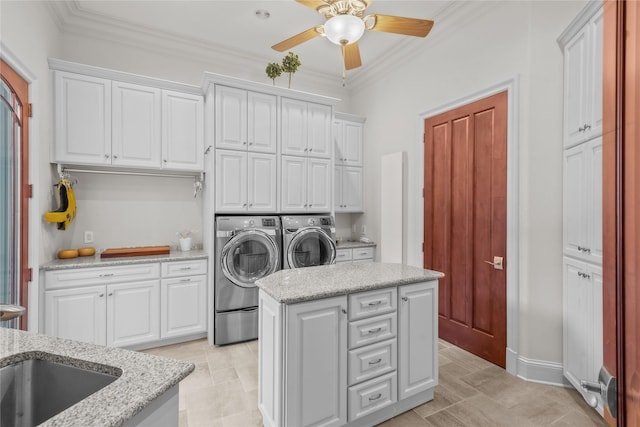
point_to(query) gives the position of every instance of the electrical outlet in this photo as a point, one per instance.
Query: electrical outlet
(88, 236)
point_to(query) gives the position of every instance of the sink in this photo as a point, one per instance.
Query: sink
(34, 390)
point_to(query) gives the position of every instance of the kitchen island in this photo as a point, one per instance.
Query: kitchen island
(145, 391)
(346, 344)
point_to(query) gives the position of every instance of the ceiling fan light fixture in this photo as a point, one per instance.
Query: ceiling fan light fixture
(344, 29)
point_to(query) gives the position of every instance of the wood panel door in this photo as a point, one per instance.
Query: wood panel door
(465, 223)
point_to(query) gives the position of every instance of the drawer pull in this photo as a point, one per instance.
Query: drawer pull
(185, 280)
(374, 303)
(375, 362)
(373, 331)
(185, 268)
(107, 275)
(376, 397)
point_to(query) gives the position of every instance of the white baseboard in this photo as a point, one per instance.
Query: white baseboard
(537, 371)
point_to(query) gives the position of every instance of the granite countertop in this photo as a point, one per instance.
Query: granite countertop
(96, 261)
(353, 244)
(143, 378)
(311, 283)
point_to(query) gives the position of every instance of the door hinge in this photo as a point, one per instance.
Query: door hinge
(30, 191)
(422, 247)
(29, 110)
(423, 193)
(29, 274)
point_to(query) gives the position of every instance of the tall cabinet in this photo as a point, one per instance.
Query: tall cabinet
(348, 138)
(581, 43)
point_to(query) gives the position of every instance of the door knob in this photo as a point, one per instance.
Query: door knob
(497, 263)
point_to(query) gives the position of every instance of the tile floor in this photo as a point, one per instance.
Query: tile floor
(223, 392)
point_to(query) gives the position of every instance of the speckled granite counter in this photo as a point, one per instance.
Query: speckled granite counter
(352, 244)
(143, 377)
(96, 261)
(311, 283)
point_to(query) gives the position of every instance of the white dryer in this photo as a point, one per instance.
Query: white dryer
(308, 240)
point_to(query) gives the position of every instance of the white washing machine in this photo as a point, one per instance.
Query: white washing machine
(247, 248)
(308, 240)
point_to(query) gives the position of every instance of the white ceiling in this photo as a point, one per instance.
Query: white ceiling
(232, 27)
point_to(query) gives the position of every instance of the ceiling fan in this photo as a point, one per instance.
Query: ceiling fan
(346, 23)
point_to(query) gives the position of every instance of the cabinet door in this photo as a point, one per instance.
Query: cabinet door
(577, 311)
(575, 84)
(133, 313)
(316, 355)
(262, 122)
(184, 306)
(594, 201)
(77, 314)
(338, 137)
(352, 143)
(262, 179)
(82, 119)
(319, 130)
(293, 184)
(338, 202)
(352, 189)
(136, 115)
(231, 181)
(182, 131)
(417, 338)
(575, 204)
(231, 118)
(319, 185)
(294, 127)
(594, 92)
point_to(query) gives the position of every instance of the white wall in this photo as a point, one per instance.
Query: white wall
(500, 41)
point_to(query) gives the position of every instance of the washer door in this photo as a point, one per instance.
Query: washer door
(248, 256)
(311, 246)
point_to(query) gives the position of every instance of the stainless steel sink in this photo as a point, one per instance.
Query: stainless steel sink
(32, 391)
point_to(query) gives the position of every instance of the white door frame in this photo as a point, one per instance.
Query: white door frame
(513, 98)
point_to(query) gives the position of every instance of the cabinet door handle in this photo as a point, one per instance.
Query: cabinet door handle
(306, 149)
(251, 143)
(101, 295)
(376, 397)
(106, 156)
(165, 160)
(374, 303)
(310, 149)
(375, 362)
(310, 205)
(587, 127)
(405, 299)
(244, 142)
(110, 294)
(374, 331)
(344, 311)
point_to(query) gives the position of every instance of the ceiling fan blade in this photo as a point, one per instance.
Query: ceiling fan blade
(313, 4)
(351, 56)
(297, 39)
(400, 25)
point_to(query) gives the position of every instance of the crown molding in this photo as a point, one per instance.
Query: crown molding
(448, 20)
(73, 20)
(579, 21)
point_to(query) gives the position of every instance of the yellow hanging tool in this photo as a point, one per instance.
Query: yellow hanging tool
(66, 211)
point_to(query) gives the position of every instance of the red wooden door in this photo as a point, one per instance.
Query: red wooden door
(465, 223)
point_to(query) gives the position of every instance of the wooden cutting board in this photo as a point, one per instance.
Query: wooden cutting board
(139, 251)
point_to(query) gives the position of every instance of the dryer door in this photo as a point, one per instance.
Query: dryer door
(248, 256)
(311, 246)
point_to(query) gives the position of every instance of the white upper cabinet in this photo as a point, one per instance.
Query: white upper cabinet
(306, 128)
(136, 115)
(107, 122)
(245, 120)
(182, 131)
(583, 201)
(348, 142)
(305, 184)
(583, 83)
(348, 189)
(245, 182)
(82, 119)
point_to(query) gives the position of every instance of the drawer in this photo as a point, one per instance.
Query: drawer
(372, 395)
(372, 303)
(75, 277)
(362, 253)
(369, 331)
(343, 255)
(184, 268)
(373, 360)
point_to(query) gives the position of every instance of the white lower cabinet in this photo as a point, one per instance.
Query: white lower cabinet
(366, 254)
(124, 306)
(346, 360)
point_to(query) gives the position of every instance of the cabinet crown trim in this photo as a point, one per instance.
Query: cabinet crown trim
(105, 73)
(579, 22)
(351, 117)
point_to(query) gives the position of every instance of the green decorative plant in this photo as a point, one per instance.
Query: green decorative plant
(290, 64)
(274, 70)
